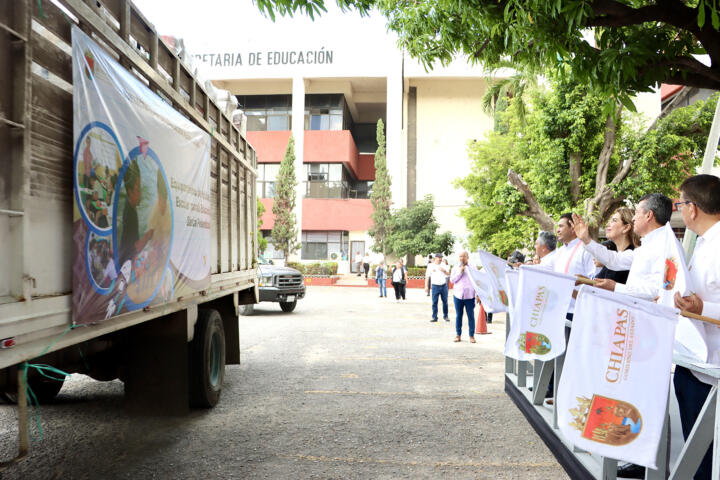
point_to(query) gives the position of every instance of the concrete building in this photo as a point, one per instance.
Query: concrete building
(329, 90)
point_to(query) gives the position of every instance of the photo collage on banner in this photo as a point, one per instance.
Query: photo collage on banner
(142, 215)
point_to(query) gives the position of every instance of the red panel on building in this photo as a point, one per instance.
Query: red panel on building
(366, 167)
(327, 214)
(667, 90)
(321, 146)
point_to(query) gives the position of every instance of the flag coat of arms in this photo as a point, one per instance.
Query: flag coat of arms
(690, 334)
(497, 298)
(613, 392)
(538, 330)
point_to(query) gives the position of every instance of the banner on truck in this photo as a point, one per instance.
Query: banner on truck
(141, 182)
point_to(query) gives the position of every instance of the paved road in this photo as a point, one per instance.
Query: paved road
(348, 386)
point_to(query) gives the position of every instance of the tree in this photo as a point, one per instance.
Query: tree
(414, 231)
(381, 197)
(566, 156)
(262, 241)
(284, 232)
(636, 44)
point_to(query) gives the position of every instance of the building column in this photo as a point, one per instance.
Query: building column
(393, 133)
(298, 132)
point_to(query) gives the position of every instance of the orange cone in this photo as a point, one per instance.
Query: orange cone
(481, 324)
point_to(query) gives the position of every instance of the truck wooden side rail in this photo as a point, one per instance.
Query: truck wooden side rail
(157, 351)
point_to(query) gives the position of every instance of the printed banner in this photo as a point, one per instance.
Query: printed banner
(538, 329)
(497, 300)
(613, 390)
(689, 334)
(141, 216)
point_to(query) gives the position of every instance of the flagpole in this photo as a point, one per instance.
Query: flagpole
(586, 281)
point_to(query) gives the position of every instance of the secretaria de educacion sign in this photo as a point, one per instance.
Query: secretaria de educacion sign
(270, 57)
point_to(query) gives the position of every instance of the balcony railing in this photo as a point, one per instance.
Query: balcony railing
(677, 459)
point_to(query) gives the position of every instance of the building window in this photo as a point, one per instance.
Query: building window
(324, 245)
(327, 112)
(267, 176)
(266, 112)
(325, 180)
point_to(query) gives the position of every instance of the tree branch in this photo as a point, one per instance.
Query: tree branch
(606, 152)
(534, 210)
(575, 172)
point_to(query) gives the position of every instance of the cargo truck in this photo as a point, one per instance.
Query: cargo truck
(167, 333)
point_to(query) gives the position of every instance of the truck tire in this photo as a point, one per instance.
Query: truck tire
(246, 310)
(288, 307)
(44, 389)
(207, 359)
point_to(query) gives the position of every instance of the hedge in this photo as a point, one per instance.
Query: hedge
(326, 268)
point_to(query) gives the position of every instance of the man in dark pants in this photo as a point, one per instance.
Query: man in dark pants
(437, 273)
(699, 206)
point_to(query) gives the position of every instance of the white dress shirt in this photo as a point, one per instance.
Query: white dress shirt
(573, 260)
(438, 274)
(548, 259)
(646, 265)
(704, 271)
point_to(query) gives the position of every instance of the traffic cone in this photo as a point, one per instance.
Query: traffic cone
(481, 324)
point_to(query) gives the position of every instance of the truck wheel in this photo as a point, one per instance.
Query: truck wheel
(246, 310)
(288, 307)
(44, 389)
(207, 359)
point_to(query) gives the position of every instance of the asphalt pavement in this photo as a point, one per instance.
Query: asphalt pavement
(349, 386)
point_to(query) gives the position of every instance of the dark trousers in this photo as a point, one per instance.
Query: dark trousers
(469, 306)
(691, 394)
(399, 290)
(366, 267)
(442, 292)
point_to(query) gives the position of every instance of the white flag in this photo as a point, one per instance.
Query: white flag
(497, 295)
(690, 334)
(480, 281)
(512, 277)
(614, 386)
(538, 329)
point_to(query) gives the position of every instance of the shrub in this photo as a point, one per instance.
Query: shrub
(327, 268)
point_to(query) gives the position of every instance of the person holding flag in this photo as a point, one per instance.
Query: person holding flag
(545, 247)
(699, 206)
(646, 263)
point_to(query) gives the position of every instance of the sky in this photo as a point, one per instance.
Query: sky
(218, 24)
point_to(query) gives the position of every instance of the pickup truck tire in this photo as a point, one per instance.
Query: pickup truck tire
(44, 389)
(288, 307)
(246, 310)
(207, 359)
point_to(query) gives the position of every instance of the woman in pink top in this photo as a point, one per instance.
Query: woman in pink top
(463, 296)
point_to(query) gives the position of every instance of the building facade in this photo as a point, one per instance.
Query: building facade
(328, 89)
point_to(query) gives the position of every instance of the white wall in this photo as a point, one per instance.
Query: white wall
(449, 115)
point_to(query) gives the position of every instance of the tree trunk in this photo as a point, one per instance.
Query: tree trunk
(534, 210)
(575, 172)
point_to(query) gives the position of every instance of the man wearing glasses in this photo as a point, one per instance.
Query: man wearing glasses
(699, 206)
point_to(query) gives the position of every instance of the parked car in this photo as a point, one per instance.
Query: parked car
(283, 285)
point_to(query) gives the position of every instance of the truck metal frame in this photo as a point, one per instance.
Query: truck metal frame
(36, 136)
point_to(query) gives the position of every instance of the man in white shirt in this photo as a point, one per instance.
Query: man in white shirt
(359, 262)
(571, 258)
(545, 247)
(438, 272)
(700, 208)
(646, 263)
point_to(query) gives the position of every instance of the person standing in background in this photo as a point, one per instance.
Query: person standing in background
(438, 273)
(381, 278)
(366, 265)
(358, 262)
(427, 277)
(399, 278)
(463, 296)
